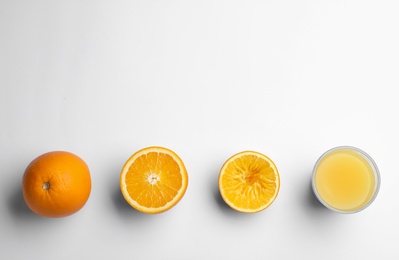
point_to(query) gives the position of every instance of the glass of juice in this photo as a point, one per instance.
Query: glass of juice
(345, 179)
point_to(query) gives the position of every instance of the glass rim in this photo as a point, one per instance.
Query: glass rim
(375, 171)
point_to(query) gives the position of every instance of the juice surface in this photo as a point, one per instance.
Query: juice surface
(345, 180)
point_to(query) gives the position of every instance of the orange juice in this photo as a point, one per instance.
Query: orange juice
(345, 179)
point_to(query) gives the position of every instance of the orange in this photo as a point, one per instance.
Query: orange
(249, 182)
(56, 184)
(153, 180)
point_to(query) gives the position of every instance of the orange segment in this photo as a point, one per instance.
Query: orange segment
(153, 180)
(249, 182)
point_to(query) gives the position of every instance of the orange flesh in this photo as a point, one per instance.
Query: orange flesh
(249, 183)
(153, 180)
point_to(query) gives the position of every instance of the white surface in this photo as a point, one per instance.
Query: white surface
(207, 79)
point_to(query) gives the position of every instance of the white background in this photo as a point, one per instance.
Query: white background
(207, 79)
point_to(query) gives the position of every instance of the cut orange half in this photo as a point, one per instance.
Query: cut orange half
(153, 180)
(249, 182)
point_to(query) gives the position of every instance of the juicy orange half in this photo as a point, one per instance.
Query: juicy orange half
(153, 180)
(249, 182)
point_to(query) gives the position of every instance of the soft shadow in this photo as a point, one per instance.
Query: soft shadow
(18, 207)
(312, 201)
(221, 204)
(121, 206)
(321, 220)
(314, 208)
(20, 212)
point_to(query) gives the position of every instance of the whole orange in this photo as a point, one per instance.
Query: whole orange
(56, 184)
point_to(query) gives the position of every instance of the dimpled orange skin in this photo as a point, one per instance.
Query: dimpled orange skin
(56, 184)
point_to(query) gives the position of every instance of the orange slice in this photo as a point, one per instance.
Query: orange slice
(153, 180)
(249, 182)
